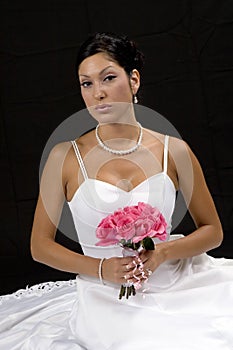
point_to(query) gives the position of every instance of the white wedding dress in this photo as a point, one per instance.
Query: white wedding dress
(187, 304)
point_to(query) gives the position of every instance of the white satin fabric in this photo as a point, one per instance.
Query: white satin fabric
(187, 304)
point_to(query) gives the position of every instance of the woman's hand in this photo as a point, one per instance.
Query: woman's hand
(151, 260)
(121, 270)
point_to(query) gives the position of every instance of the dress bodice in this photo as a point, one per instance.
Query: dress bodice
(96, 199)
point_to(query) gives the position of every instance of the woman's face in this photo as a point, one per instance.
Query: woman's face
(105, 86)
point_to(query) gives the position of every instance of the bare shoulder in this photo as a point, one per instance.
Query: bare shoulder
(56, 157)
(181, 157)
(64, 151)
(176, 145)
(60, 158)
(60, 150)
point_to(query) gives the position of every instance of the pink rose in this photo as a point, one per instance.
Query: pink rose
(133, 211)
(125, 227)
(132, 224)
(159, 227)
(106, 232)
(143, 227)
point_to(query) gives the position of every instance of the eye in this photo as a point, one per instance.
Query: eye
(109, 77)
(85, 84)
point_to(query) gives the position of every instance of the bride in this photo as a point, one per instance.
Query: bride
(184, 299)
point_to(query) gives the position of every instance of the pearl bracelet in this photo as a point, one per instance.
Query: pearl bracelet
(100, 270)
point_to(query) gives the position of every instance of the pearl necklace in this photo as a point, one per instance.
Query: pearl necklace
(119, 152)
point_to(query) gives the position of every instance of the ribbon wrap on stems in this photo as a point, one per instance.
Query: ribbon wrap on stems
(129, 288)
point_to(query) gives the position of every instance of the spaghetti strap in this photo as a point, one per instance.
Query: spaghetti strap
(80, 160)
(165, 153)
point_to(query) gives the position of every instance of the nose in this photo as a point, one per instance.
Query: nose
(99, 92)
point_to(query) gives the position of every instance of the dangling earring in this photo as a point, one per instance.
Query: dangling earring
(135, 99)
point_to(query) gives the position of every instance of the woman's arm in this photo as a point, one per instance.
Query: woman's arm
(56, 174)
(208, 233)
(47, 215)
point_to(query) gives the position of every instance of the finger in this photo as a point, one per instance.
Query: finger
(127, 277)
(134, 276)
(131, 277)
(148, 272)
(137, 279)
(131, 264)
(134, 270)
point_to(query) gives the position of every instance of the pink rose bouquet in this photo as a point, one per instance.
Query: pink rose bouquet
(133, 227)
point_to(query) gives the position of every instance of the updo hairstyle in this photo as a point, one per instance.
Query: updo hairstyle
(119, 48)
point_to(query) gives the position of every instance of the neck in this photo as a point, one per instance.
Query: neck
(121, 141)
(121, 130)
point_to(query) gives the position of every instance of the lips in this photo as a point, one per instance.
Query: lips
(103, 108)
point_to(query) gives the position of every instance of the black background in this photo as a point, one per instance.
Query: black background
(188, 78)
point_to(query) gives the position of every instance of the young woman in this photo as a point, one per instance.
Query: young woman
(185, 296)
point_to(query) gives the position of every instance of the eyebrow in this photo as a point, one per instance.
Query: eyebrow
(103, 70)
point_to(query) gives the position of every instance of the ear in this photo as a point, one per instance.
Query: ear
(134, 81)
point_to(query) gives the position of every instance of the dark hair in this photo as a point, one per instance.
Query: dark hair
(119, 47)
